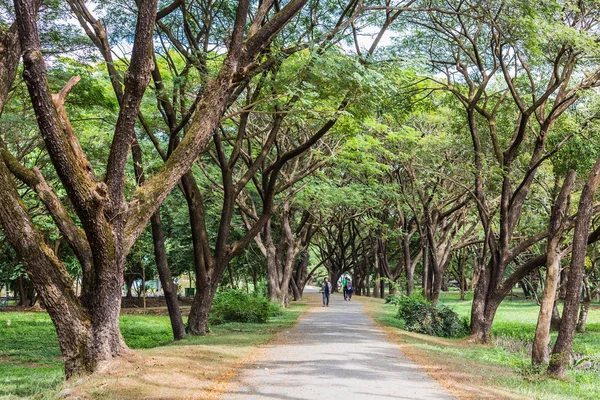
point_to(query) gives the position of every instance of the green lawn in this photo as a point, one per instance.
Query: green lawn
(30, 364)
(513, 331)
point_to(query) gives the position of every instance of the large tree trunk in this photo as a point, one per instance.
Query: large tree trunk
(272, 274)
(290, 248)
(540, 354)
(559, 360)
(480, 327)
(85, 340)
(200, 310)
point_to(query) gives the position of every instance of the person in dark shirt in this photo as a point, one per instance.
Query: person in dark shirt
(326, 290)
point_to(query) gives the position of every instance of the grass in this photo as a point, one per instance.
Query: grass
(504, 366)
(30, 359)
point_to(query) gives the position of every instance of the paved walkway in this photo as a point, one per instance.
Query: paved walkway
(334, 352)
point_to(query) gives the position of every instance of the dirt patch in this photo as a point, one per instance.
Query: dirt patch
(194, 371)
(169, 372)
(468, 381)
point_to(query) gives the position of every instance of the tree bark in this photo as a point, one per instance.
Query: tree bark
(50, 279)
(200, 310)
(480, 328)
(377, 276)
(555, 321)
(160, 254)
(559, 360)
(22, 291)
(164, 274)
(540, 353)
(583, 314)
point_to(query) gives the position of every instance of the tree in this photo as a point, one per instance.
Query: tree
(88, 332)
(497, 69)
(561, 352)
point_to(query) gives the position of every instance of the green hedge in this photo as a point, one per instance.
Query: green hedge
(237, 306)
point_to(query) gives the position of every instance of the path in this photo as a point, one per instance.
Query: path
(334, 352)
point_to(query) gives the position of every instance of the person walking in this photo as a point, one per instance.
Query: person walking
(326, 290)
(345, 287)
(349, 289)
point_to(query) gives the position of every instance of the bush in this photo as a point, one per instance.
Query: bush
(393, 299)
(422, 317)
(275, 309)
(237, 306)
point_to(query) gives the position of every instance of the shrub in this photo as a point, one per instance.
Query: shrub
(237, 306)
(422, 317)
(393, 299)
(275, 309)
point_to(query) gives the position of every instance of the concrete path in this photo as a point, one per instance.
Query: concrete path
(334, 352)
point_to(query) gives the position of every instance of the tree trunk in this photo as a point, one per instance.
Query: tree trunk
(295, 289)
(437, 285)
(22, 291)
(564, 280)
(480, 327)
(128, 283)
(334, 276)
(377, 277)
(164, 274)
(425, 278)
(555, 321)
(410, 281)
(368, 283)
(86, 340)
(200, 310)
(540, 353)
(444, 279)
(462, 277)
(299, 280)
(559, 360)
(272, 275)
(583, 314)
